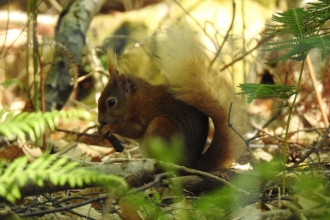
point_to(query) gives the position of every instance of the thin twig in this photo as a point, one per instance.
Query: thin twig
(198, 24)
(7, 27)
(317, 146)
(158, 178)
(261, 42)
(226, 36)
(65, 208)
(42, 92)
(286, 137)
(318, 96)
(231, 125)
(58, 205)
(247, 142)
(204, 174)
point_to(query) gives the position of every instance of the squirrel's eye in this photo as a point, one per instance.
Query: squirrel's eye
(111, 102)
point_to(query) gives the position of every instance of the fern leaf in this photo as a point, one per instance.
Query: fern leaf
(12, 81)
(262, 91)
(33, 123)
(58, 163)
(305, 25)
(3, 190)
(15, 167)
(19, 171)
(300, 50)
(322, 8)
(50, 120)
(292, 22)
(14, 192)
(39, 181)
(2, 112)
(22, 180)
(78, 182)
(40, 163)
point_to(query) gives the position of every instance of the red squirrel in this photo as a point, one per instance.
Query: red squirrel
(133, 108)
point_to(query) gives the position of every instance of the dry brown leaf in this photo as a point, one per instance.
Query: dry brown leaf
(10, 153)
(129, 210)
(81, 151)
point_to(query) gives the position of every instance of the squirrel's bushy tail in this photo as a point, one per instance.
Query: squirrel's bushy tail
(182, 59)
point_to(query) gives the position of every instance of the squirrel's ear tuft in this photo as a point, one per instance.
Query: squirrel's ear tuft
(122, 82)
(112, 63)
(120, 79)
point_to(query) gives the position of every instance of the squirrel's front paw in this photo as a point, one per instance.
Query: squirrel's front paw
(104, 132)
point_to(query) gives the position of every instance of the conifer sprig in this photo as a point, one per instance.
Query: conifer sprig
(263, 91)
(303, 29)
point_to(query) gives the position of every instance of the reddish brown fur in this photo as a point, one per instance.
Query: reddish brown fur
(193, 94)
(154, 112)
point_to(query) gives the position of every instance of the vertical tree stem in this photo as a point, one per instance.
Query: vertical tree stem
(291, 106)
(33, 15)
(27, 60)
(318, 96)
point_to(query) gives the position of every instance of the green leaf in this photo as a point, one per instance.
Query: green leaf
(34, 123)
(88, 179)
(41, 162)
(3, 190)
(300, 30)
(12, 81)
(6, 132)
(16, 165)
(26, 128)
(39, 181)
(62, 180)
(72, 182)
(2, 112)
(61, 172)
(60, 162)
(291, 22)
(10, 197)
(22, 180)
(54, 179)
(50, 122)
(9, 117)
(262, 91)
(14, 191)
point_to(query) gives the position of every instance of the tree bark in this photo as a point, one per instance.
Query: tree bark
(70, 34)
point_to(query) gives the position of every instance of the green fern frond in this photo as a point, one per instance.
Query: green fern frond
(291, 21)
(33, 123)
(263, 91)
(48, 167)
(280, 45)
(322, 9)
(300, 50)
(305, 25)
(12, 81)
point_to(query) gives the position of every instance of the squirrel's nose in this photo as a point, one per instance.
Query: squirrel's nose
(102, 120)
